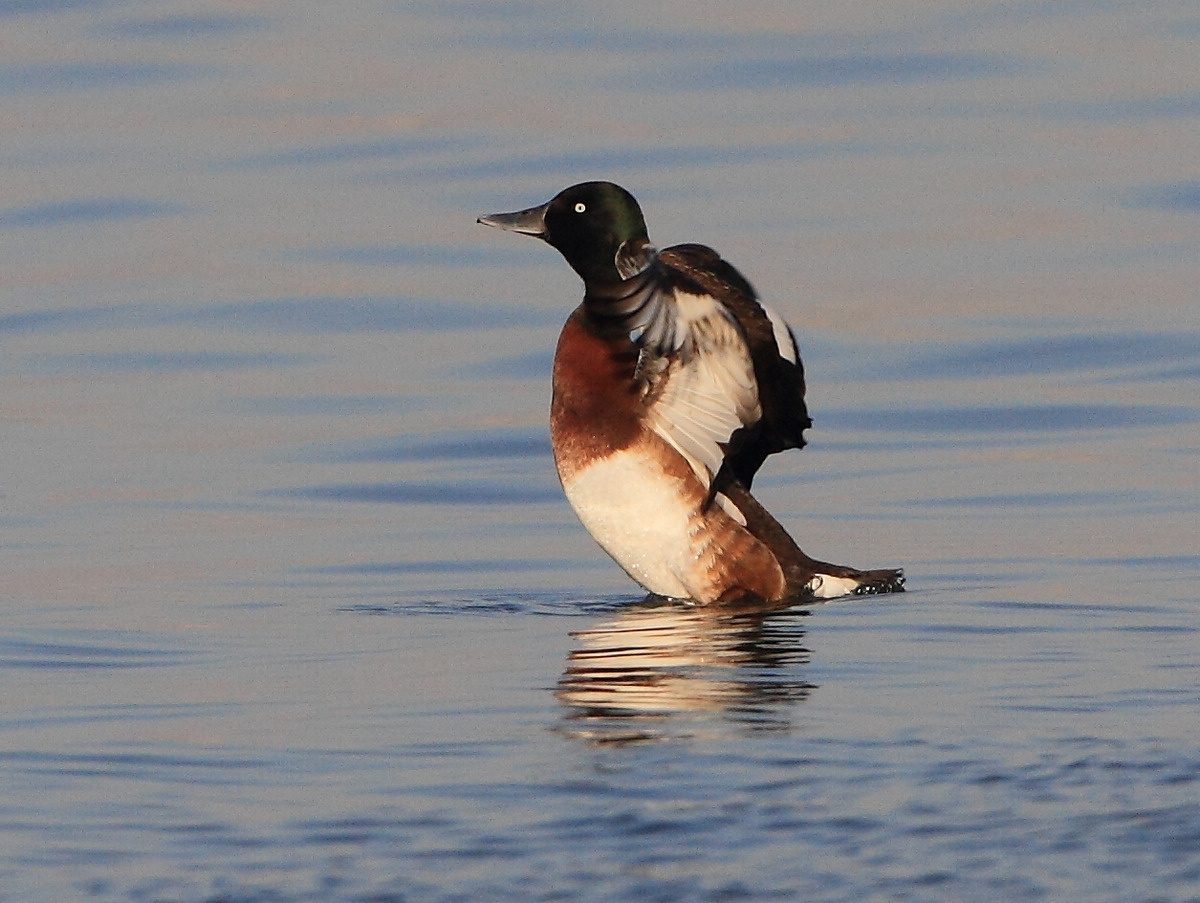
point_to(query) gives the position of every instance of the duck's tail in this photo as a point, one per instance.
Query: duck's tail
(806, 577)
(819, 580)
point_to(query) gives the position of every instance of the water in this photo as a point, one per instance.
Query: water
(292, 606)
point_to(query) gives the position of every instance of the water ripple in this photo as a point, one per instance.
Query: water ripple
(426, 493)
(1043, 500)
(541, 604)
(531, 365)
(64, 319)
(74, 651)
(1011, 418)
(165, 362)
(836, 71)
(47, 78)
(174, 766)
(354, 151)
(1180, 197)
(635, 158)
(186, 27)
(1048, 355)
(324, 315)
(457, 445)
(424, 255)
(1183, 106)
(85, 211)
(454, 566)
(14, 8)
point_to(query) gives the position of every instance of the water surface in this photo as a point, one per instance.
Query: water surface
(292, 606)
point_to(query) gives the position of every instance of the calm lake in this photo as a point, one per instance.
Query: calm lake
(291, 605)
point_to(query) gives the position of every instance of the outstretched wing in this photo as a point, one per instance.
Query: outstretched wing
(749, 380)
(702, 392)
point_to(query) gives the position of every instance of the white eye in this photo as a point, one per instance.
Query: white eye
(581, 207)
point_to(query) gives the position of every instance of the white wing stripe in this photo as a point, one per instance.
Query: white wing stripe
(783, 336)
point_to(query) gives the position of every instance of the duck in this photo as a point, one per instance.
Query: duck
(672, 384)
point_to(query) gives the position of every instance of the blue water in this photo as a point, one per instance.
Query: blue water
(291, 605)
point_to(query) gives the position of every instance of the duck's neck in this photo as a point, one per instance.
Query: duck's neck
(637, 307)
(622, 302)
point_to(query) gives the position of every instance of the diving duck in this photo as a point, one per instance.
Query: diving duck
(672, 385)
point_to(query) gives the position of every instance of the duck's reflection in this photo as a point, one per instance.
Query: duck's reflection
(641, 674)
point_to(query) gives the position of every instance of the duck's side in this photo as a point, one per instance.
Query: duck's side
(638, 496)
(672, 385)
(645, 503)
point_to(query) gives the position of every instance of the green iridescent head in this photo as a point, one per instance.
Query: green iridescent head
(597, 226)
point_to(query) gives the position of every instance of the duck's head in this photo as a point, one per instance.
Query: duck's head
(597, 226)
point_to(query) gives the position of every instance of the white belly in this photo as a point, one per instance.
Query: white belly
(641, 516)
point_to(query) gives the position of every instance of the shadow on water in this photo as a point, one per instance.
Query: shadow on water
(649, 670)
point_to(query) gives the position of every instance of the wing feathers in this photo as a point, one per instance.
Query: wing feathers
(776, 367)
(707, 391)
(722, 379)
